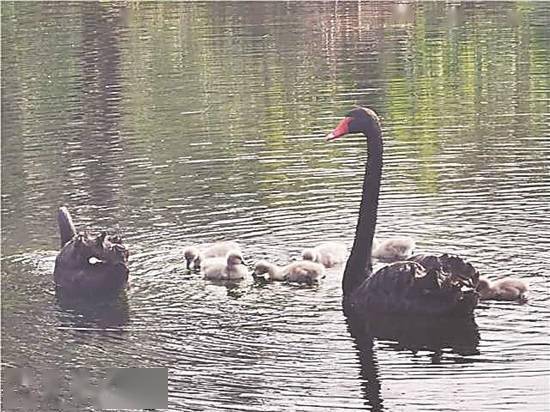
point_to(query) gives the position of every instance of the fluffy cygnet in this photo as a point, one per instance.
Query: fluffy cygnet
(328, 254)
(393, 249)
(194, 257)
(301, 271)
(229, 268)
(503, 289)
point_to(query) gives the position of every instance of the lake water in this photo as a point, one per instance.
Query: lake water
(180, 124)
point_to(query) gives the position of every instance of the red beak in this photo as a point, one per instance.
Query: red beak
(340, 130)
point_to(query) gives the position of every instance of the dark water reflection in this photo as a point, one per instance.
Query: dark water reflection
(180, 123)
(461, 336)
(86, 314)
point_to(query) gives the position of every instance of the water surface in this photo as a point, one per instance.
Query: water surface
(181, 124)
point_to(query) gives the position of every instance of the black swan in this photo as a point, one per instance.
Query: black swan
(424, 285)
(87, 265)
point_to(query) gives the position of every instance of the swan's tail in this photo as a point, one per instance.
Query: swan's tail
(66, 226)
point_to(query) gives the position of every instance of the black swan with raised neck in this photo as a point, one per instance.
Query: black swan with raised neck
(422, 285)
(95, 266)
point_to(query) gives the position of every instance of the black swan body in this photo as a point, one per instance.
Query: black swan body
(423, 285)
(89, 265)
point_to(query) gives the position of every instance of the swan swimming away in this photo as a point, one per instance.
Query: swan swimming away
(193, 256)
(229, 268)
(393, 249)
(428, 285)
(328, 254)
(503, 289)
(301, 271)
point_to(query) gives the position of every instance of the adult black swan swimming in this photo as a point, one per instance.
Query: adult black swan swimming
(87, 265)
(423, 285)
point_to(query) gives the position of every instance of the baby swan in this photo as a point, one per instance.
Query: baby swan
(328, 254)
(393, 249)
(194, 257)
(301, 271)
(229, 268)
(503, 289)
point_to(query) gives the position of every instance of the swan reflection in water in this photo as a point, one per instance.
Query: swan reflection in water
(459, 335)
(82, 314)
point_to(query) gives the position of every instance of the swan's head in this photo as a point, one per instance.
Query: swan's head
(234, 258)
(103, 252)
(309, 254)
(262, 267)
(192, 256)
(483, 284)
(359, 120)
(484, 288)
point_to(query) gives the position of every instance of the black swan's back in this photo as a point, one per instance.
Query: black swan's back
(409, 288)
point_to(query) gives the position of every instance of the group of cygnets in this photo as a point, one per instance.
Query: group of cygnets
(224, 261)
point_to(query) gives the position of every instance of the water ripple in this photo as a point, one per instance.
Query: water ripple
(180, 124)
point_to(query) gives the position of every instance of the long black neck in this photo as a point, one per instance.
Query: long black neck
(359, 266)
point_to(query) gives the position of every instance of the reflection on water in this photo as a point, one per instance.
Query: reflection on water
(417, 333)
(86, 314)
(408, 334)
(187, 123)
